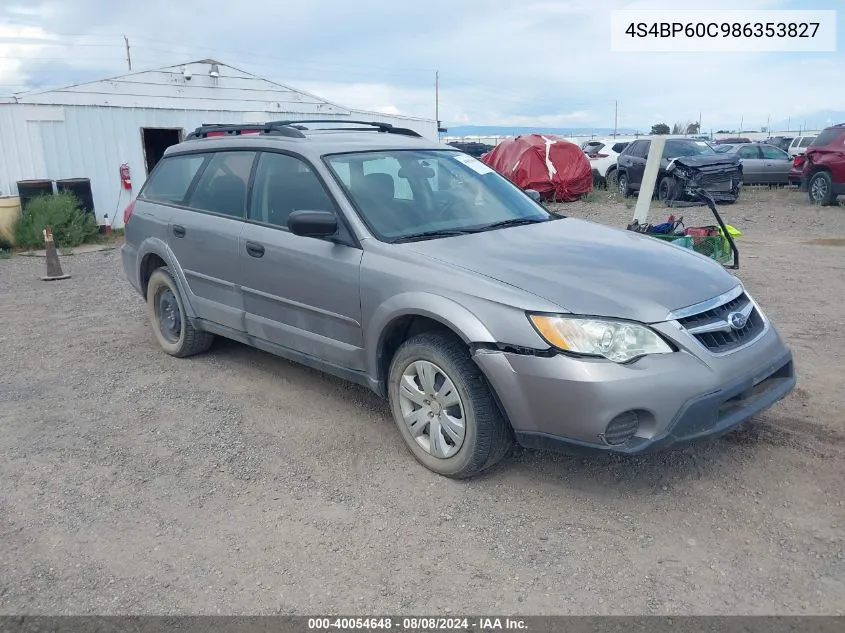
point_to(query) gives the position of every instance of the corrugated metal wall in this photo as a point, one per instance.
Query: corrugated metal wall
(57, 142)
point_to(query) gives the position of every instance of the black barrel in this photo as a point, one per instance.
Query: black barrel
(29, 189)
(81, 188)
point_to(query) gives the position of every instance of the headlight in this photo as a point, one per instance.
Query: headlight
(619, 341)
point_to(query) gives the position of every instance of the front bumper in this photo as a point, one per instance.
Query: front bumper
(560, 401)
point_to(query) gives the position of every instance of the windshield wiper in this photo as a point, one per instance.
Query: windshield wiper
(432, 234)
(513, 222)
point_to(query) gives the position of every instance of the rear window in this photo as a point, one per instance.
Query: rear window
(619, 147)
(828, 136)
(172, 178)
(593, 147)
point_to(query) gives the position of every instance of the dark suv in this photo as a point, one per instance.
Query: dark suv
(720, 174)
(823, 177)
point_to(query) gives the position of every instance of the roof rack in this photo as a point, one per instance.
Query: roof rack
(207, 130)
(380, 127)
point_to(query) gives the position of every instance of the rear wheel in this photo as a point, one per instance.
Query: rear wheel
(166, 312)
(444, 408)
(820, 188)
(611, 182)
(622, 184)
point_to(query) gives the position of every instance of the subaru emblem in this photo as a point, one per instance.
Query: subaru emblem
(737, 320)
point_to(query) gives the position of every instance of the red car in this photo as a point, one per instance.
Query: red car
(823, 174)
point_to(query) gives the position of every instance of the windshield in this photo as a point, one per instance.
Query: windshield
(687, 148)
(403, 193)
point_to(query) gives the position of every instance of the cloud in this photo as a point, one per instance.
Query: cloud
(536, 62)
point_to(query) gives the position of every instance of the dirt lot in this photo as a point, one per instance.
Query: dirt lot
(237, 482)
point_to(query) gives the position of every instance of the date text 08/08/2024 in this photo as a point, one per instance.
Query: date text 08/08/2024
(417, 624)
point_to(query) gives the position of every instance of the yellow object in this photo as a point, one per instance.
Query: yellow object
(10, 210)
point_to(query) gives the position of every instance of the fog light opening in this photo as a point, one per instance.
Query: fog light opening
(621, 429)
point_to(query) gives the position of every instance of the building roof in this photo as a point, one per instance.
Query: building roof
(188, 86)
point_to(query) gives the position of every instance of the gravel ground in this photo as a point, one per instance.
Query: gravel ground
(236, 482)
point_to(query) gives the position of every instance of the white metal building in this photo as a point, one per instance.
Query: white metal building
(89, 130)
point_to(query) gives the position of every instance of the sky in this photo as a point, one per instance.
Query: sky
(537, 63)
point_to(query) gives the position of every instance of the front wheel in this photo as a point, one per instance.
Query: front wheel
(611, 182)
(666, 189)
(166, 312)
(820, 188)
(444, 408)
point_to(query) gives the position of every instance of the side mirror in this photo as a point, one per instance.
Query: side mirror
(312, 223)
(534, 194)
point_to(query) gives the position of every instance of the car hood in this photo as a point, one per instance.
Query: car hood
(708, 161)
(587, 268)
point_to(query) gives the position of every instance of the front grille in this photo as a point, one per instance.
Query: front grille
(722, 180)
(711, 328)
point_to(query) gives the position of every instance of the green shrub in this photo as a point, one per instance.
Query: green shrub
(71, 226)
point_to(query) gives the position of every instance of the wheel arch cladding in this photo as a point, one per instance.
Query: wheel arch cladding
(408, 314)
(152, 253)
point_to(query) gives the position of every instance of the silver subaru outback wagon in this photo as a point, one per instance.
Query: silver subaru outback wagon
(414, 269)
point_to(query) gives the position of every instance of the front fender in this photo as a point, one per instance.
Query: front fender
(438, 308)
(157, 246)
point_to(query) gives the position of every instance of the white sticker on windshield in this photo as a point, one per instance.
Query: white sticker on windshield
(473, 163)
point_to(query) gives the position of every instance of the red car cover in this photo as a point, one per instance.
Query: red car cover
(554, 167)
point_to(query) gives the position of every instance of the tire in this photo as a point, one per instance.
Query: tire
(820, 188)
(174, 333)
(487, 436)
(622, 184)
(666, 189)
(610, 180)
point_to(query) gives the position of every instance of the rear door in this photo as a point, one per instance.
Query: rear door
(753, 171)
(776, 165)
(639, 155)
(301, 293)
(203, 234)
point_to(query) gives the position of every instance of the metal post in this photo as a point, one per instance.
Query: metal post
(652, 166)
(615, 117)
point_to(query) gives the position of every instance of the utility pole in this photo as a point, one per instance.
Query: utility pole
(768, 124)
(615, 117)
(128, 56)
(699, 121)
(741, 122)
(437, 101)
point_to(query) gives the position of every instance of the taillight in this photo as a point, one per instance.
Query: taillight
(798, 160)
(127, 212)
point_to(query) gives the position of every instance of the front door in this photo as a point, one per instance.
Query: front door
(298, 292)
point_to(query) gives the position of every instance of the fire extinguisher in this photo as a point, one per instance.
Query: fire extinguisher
(125, 178)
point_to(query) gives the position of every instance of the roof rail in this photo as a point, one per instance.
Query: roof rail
(380, 127)
(207, 130)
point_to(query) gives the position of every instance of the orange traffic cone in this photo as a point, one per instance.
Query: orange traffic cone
(54, 267)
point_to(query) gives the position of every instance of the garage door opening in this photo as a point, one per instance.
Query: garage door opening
(157, 139)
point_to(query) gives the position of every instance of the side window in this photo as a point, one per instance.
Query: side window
(642, 149)
(172, 178)
(773, 153)
(222, 187)
(284, 184)
(748, 152)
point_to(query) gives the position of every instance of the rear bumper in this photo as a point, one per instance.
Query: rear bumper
(129, 259)
(561, 402)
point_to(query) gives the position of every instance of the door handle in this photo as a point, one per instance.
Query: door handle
(178, 231)
(254, 249)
